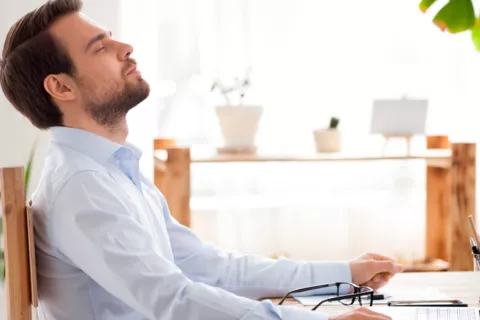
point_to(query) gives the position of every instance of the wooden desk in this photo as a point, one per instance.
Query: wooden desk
(458, 285)
(450, 186)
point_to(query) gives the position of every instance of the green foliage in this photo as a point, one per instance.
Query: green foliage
(28, 170)
(456, 16)
(334, 123)
(425, 4)
(2, 266)
(476, 36)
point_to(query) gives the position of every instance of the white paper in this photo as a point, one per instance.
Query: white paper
(432, 312)
(404, 117)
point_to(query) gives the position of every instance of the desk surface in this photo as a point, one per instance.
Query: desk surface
(209, 155)
(464, 286)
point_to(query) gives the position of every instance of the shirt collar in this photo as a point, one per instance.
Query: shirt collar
(137, 153)
(89, 144)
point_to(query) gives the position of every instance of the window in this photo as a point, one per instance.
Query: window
(311, 59)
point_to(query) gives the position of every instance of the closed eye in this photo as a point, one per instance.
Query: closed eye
(100, 49)
(97, 39)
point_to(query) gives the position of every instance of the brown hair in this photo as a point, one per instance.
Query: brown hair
(30, 53)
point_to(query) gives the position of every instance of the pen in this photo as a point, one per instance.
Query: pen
(427, 303)
(473, 243)
(474, 246)
(378, 296)
(474, 231)
(475, 251)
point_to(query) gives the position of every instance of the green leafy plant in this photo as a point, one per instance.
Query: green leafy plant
(2, 265)
(334, 123)
(455, 17)
(238, 89)
(28, 171)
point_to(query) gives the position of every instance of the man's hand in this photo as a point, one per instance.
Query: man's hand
(373, 270)
(360, 314)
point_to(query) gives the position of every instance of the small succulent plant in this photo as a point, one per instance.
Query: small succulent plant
(334, 123)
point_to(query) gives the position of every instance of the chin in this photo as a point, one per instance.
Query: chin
(137, 92)
(140, 84)
(144, 87)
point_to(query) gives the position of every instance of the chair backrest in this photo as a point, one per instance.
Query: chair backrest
(21, 280)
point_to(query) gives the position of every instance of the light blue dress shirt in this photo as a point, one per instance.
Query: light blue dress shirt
(108, 248)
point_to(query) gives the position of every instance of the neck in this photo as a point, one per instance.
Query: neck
(117, 133)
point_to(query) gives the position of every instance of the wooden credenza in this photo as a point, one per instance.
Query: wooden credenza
(450, 186)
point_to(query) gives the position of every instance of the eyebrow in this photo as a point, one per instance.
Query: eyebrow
(97, 38)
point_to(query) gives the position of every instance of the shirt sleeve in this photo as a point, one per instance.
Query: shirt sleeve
(251, 276)
(97, 231)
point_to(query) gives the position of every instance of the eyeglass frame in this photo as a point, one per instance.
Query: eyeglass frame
(356, 294)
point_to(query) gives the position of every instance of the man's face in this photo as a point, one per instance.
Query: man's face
(105, 78)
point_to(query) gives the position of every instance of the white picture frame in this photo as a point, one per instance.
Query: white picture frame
(399, 117)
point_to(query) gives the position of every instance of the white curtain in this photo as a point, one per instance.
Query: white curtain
(310, 59)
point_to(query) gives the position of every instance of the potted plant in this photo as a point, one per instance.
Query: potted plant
(28, 170)
(328, 139)
(238, 122)
(456, 16)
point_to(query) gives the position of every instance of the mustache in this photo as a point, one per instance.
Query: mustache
(130, 63)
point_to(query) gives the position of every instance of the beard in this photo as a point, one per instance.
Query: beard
(112, 110)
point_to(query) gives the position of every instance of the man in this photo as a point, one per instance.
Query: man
(107, 246)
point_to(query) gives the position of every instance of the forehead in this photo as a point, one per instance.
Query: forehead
(75, 30)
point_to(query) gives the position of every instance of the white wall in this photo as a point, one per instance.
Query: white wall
(17, 134)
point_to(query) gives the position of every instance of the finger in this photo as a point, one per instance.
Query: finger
(378, 281)
(369, 316)
(379, 257)
(373, 314)
(378, 317)
(376, 285)
(387, 266)
(382, 277)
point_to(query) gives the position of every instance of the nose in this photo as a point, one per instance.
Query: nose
(125, 51)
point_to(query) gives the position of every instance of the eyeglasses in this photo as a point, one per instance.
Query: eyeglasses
(363, 294)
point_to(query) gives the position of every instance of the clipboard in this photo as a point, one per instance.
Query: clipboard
(427, 303)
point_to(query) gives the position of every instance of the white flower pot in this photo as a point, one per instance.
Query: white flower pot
(327, 140)
(239, 125)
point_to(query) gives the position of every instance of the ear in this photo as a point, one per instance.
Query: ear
(59, 87)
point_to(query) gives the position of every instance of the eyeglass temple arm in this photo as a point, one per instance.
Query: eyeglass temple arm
(306, 289)
(347, 296)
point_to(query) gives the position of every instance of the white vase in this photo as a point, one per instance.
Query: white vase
(239, 125)
(327, 140)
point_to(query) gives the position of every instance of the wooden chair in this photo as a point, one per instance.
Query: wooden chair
(21, 279)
